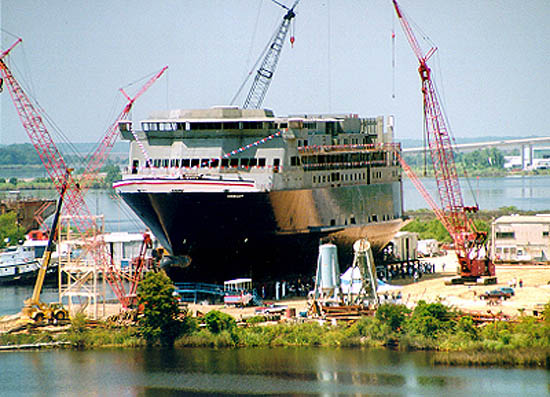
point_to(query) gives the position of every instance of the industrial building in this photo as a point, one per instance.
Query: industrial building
(521, 239)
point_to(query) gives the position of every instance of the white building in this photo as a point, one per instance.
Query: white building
(521, 238)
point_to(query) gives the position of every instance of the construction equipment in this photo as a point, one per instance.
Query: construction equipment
(363, 261)
(264, 74)
(328, 299)
(56, 168)
(34, 309)
(470, 244)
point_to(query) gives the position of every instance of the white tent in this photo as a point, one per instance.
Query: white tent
(351, 278)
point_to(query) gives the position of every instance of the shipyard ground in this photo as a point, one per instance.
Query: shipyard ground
(534, 294)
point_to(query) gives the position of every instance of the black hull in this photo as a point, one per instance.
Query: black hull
(265, 235)
(29, 277)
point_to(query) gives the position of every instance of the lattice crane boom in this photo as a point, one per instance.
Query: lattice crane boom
(469, 243)
(97, 159)
(58, 171)
(264, 75)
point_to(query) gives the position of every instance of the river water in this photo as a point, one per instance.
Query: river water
(524, 192)
(277, 371)
(325, 372)
(530, 192)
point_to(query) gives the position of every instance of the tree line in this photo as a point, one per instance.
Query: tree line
(487, 159)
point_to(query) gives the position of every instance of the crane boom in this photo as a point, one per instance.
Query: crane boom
(50, 156)
(264, 75)
(97, 159)
(59, 172)
(470, 244)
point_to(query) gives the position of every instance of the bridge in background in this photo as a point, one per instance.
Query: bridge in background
(526, 146)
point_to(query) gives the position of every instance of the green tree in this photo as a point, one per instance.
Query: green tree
(217, 321)
(113, 173)
(393, 315)
(429, 229)
(22, 154)
(159, 323)
(430, 319)
(9, 230)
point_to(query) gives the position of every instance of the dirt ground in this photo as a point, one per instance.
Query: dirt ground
(534, 294)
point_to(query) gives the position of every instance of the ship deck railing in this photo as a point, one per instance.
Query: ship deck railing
(312, 149)
(197, 171)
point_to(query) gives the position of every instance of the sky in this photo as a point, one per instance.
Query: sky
(491, 66)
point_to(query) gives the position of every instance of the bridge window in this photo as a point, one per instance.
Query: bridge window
(252, 125)
(505, 235)
(231, 126)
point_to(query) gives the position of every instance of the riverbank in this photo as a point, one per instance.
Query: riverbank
(453, 335)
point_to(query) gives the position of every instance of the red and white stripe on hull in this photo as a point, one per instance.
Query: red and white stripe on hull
(199, 185)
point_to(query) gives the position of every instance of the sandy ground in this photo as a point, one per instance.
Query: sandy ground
(532, 296)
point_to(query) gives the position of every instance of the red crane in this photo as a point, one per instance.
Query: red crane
(470, 244)
(57, 170)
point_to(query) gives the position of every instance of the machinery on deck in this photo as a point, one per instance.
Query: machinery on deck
(470, 244)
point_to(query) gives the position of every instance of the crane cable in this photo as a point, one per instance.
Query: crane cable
(393, 54)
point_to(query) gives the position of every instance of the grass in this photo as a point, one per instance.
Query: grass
(433, 327)
(524, 357)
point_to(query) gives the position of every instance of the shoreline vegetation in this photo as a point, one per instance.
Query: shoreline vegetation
(453, 337)
(105, 178)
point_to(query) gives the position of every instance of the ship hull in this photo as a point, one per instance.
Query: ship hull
(266, 235)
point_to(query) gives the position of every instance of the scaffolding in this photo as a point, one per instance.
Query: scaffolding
(363, 263)
(81, 285)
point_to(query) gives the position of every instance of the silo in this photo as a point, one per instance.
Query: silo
(328, 270)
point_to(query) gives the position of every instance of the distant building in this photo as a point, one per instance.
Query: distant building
(521, 238)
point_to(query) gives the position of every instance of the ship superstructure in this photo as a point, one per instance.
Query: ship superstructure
(245, 193)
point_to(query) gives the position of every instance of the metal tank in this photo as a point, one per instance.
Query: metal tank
(328, 269)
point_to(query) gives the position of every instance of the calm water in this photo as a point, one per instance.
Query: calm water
(118, 216)
(326, 372)
(205, 372)
(523, 192)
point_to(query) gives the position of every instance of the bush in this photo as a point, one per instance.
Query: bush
(217, 321)
(392, 315)
(159, 322)
(9, 231)
(430, 319)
